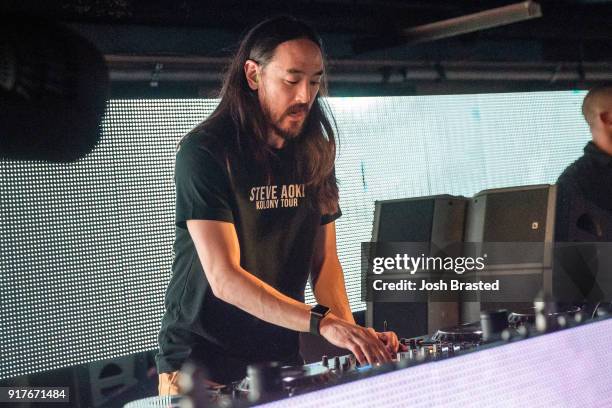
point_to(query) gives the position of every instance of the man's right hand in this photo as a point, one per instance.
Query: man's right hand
(362, 342)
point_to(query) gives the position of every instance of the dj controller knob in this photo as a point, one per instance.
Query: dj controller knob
(493, 324)
(562, 321)
(578, 317)
(506, 335)
(346, 365)
(349, 363)
(541, 323)
(522, 331)
(325, 361)
(337, 365)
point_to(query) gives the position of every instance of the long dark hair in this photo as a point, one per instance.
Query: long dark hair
(314, 151)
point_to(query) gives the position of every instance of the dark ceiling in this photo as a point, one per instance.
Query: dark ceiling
(571, 33)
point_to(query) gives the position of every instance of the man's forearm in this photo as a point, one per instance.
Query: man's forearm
(331, 291)
(245, 291)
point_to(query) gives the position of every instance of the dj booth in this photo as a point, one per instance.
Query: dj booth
(570, 366)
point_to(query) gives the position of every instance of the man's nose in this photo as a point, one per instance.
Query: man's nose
(303, 92)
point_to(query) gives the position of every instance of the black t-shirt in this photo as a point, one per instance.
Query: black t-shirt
(584, 214)
(585, 187)
(275, 221)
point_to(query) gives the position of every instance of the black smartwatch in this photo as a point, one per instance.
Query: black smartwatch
(317, 313)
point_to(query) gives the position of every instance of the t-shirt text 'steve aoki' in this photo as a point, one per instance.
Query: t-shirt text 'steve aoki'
(274, 196)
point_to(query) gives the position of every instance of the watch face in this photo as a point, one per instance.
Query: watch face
(320, 310)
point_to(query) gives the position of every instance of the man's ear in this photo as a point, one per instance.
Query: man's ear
(251, 71)
(606, 118)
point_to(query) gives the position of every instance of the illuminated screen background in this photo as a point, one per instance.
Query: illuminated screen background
(87, 247)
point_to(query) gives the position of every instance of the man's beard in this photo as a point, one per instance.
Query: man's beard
(293, 132)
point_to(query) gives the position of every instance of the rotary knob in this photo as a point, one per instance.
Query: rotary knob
(337, 365)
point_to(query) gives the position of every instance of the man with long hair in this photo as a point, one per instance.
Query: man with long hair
(256, 201)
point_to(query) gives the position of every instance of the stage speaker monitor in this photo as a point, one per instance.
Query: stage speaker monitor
(524, 214)
(434, 219)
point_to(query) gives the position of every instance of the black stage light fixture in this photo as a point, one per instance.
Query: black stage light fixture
(53, 91)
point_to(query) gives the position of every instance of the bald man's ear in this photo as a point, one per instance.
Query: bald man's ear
(251, 71)
(606, 118)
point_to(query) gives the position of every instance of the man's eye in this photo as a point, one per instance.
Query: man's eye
(315, 83)
(291, 82)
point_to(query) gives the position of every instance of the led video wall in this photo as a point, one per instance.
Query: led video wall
(86, 247)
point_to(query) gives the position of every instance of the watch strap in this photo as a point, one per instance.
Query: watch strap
(317, 313)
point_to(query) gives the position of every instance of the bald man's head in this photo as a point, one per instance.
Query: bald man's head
(597, 101)
(597, 110)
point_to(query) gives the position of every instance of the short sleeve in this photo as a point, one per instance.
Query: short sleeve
(203, 189)
(327, 218)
